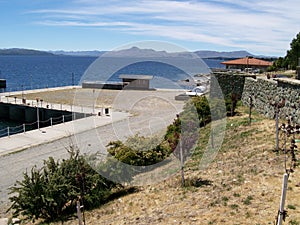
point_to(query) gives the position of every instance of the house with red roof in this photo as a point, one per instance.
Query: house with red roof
(247, 63)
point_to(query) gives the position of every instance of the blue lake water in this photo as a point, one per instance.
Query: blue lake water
(34, 72)
(31, 72)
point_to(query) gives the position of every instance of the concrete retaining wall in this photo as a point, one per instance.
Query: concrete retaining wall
(17, 113)
(27, 114)
(4, 111)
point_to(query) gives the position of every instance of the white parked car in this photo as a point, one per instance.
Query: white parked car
(196, 91)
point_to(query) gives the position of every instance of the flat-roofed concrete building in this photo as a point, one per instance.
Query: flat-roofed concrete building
(136, 82)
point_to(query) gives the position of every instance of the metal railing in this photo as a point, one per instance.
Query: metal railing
(23, 128)
(47, 105)
(74, 110)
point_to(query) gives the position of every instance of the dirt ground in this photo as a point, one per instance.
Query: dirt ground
(241, 186)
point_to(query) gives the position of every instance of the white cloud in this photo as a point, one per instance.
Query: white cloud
(264, 26)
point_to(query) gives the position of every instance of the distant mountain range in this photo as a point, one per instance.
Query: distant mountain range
(214, 54)
(133, 52)
(20, 51)
(78, 53)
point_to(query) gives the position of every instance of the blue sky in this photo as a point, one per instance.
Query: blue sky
(260, 27)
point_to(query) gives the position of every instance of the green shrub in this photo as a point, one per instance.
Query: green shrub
(139, 151)
(294, 222)
(236, 195)
(291, 207)
(51, 193)
(143, 151)
(234, 206)
(248, 200)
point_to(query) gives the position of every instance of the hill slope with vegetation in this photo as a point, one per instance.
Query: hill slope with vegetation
(241, 186)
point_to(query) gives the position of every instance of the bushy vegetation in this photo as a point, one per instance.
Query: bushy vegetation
(51, 192)
(139, 151)
(185, 127)
(143, 151)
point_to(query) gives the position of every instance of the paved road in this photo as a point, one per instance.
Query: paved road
(149, 114)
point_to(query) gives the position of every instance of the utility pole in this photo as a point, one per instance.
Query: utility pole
(37, 114)
(93, 101)
(22, 86)
(72, 79)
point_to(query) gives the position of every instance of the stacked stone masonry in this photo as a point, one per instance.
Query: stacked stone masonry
(265, 92)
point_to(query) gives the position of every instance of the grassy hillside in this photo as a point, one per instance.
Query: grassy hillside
(241, 186)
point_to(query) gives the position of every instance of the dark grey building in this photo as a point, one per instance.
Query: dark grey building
(136, 82)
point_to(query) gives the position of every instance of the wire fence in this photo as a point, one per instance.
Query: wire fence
(23, 128)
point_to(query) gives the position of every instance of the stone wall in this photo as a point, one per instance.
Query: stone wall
(265, 91)
(231, 83)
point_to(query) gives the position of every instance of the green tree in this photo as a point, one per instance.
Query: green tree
(293, 54)
(290, 61)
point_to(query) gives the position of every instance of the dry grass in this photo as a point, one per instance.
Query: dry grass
(241, 186)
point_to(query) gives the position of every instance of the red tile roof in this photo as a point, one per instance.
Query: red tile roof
(248, 61)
